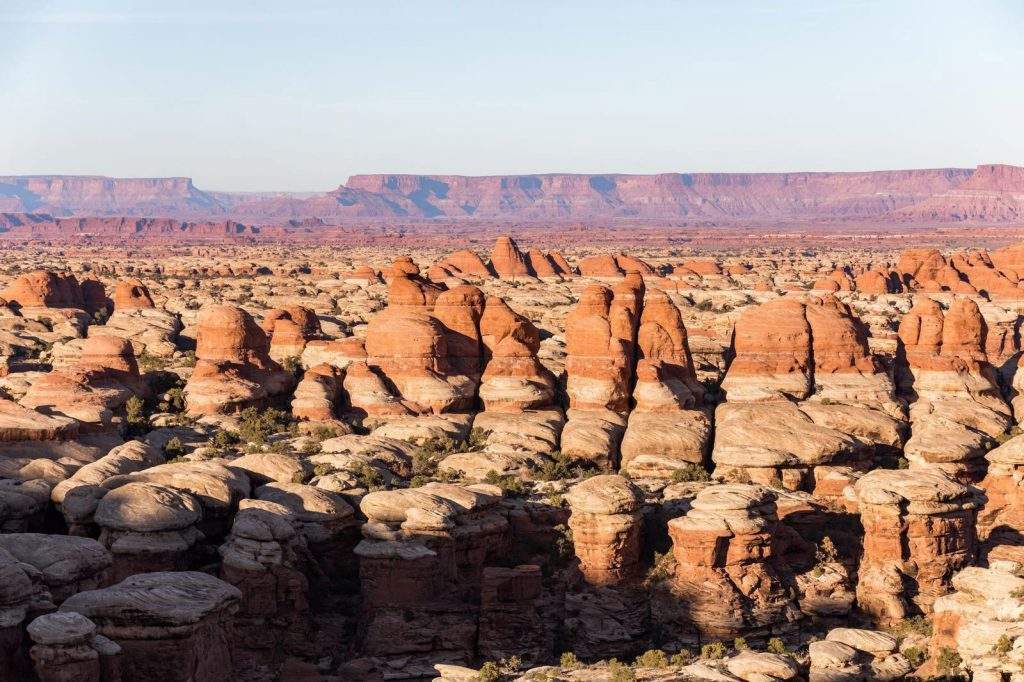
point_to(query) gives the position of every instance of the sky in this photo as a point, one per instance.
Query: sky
(293, 95)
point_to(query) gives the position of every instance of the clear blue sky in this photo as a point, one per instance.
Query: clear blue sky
(297, 95)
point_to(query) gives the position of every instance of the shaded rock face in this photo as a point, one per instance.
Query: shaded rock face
(727, 582)
(233, 367)
(1001, 520)
(67, 648)
(169, 626)
(44, 289)
(919, 529)
(265, 557)
(421, 566)
(465, 263)
(804, 396)
(957, 404)
(964, 272)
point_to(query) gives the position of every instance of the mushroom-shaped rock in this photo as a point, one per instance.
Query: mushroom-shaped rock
(606, 525)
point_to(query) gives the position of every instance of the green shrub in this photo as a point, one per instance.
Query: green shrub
(948, 661)
(135, 412)
(368, 477)
(652, 658)
(222, 440)
(776, 646)
(311, 447)
(1018, 593)
(620, 672)
(740, 644)
(255, 426)
(150, 363)
(509, 484)
(683, 657)
(690, 473)
(174, 448)
(917, 625)
(1003, 646)
(489, 672)
(916, 655)
(714, 651)
(569, 660)
(660, 570)
(322, 433)
(292, 364)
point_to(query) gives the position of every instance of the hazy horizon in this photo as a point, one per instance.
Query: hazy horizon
(249, 97)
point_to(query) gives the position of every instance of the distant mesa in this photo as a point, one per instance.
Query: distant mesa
(988, 194)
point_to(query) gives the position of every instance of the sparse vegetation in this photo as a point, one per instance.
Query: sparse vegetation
(690, 473)
(948, 661)
(620, 672)
(916, 625)
(916, 655)
(509, 484)
(255, 426)
(174, 448)
(713, 651)
(661, 569)
(1003, 645)
(740, 644)
(150, 363)
(776, 646)
(489, 672)
(652, 658)
(569, 660)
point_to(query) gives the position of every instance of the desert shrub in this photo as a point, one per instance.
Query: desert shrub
(311, 447)
(916, 655)
(660, 570)
(1018, 593)
(222, 440)
(368, 477)
(620, 672)
(510, 665)
(916, 625)
(174, 448)
(1003, 646)
(569, 660)
(322, 433)
(135, 412)
(255, 426)
(740, 644)
(948, 661)
(652, 658)
(510, 485)
(714, 651)
(689, 473)
(489, 672)
(776, 646)
(150, 363)
(292, 364)
(683, 657)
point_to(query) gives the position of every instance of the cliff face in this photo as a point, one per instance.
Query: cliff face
(65, 195)
(988, 194)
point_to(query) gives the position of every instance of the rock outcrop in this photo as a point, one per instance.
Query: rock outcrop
(233, 367)
(919, 529)
(170, 626)
(957, 406)
(726, 580)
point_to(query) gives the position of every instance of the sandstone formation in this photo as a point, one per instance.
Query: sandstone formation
(726, 581)
(233, 366)
(918, 530)
(170, 626)
(805, 396)
(957, 405)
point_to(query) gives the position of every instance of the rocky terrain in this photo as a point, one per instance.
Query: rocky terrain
(988, 194)
(510, 460)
